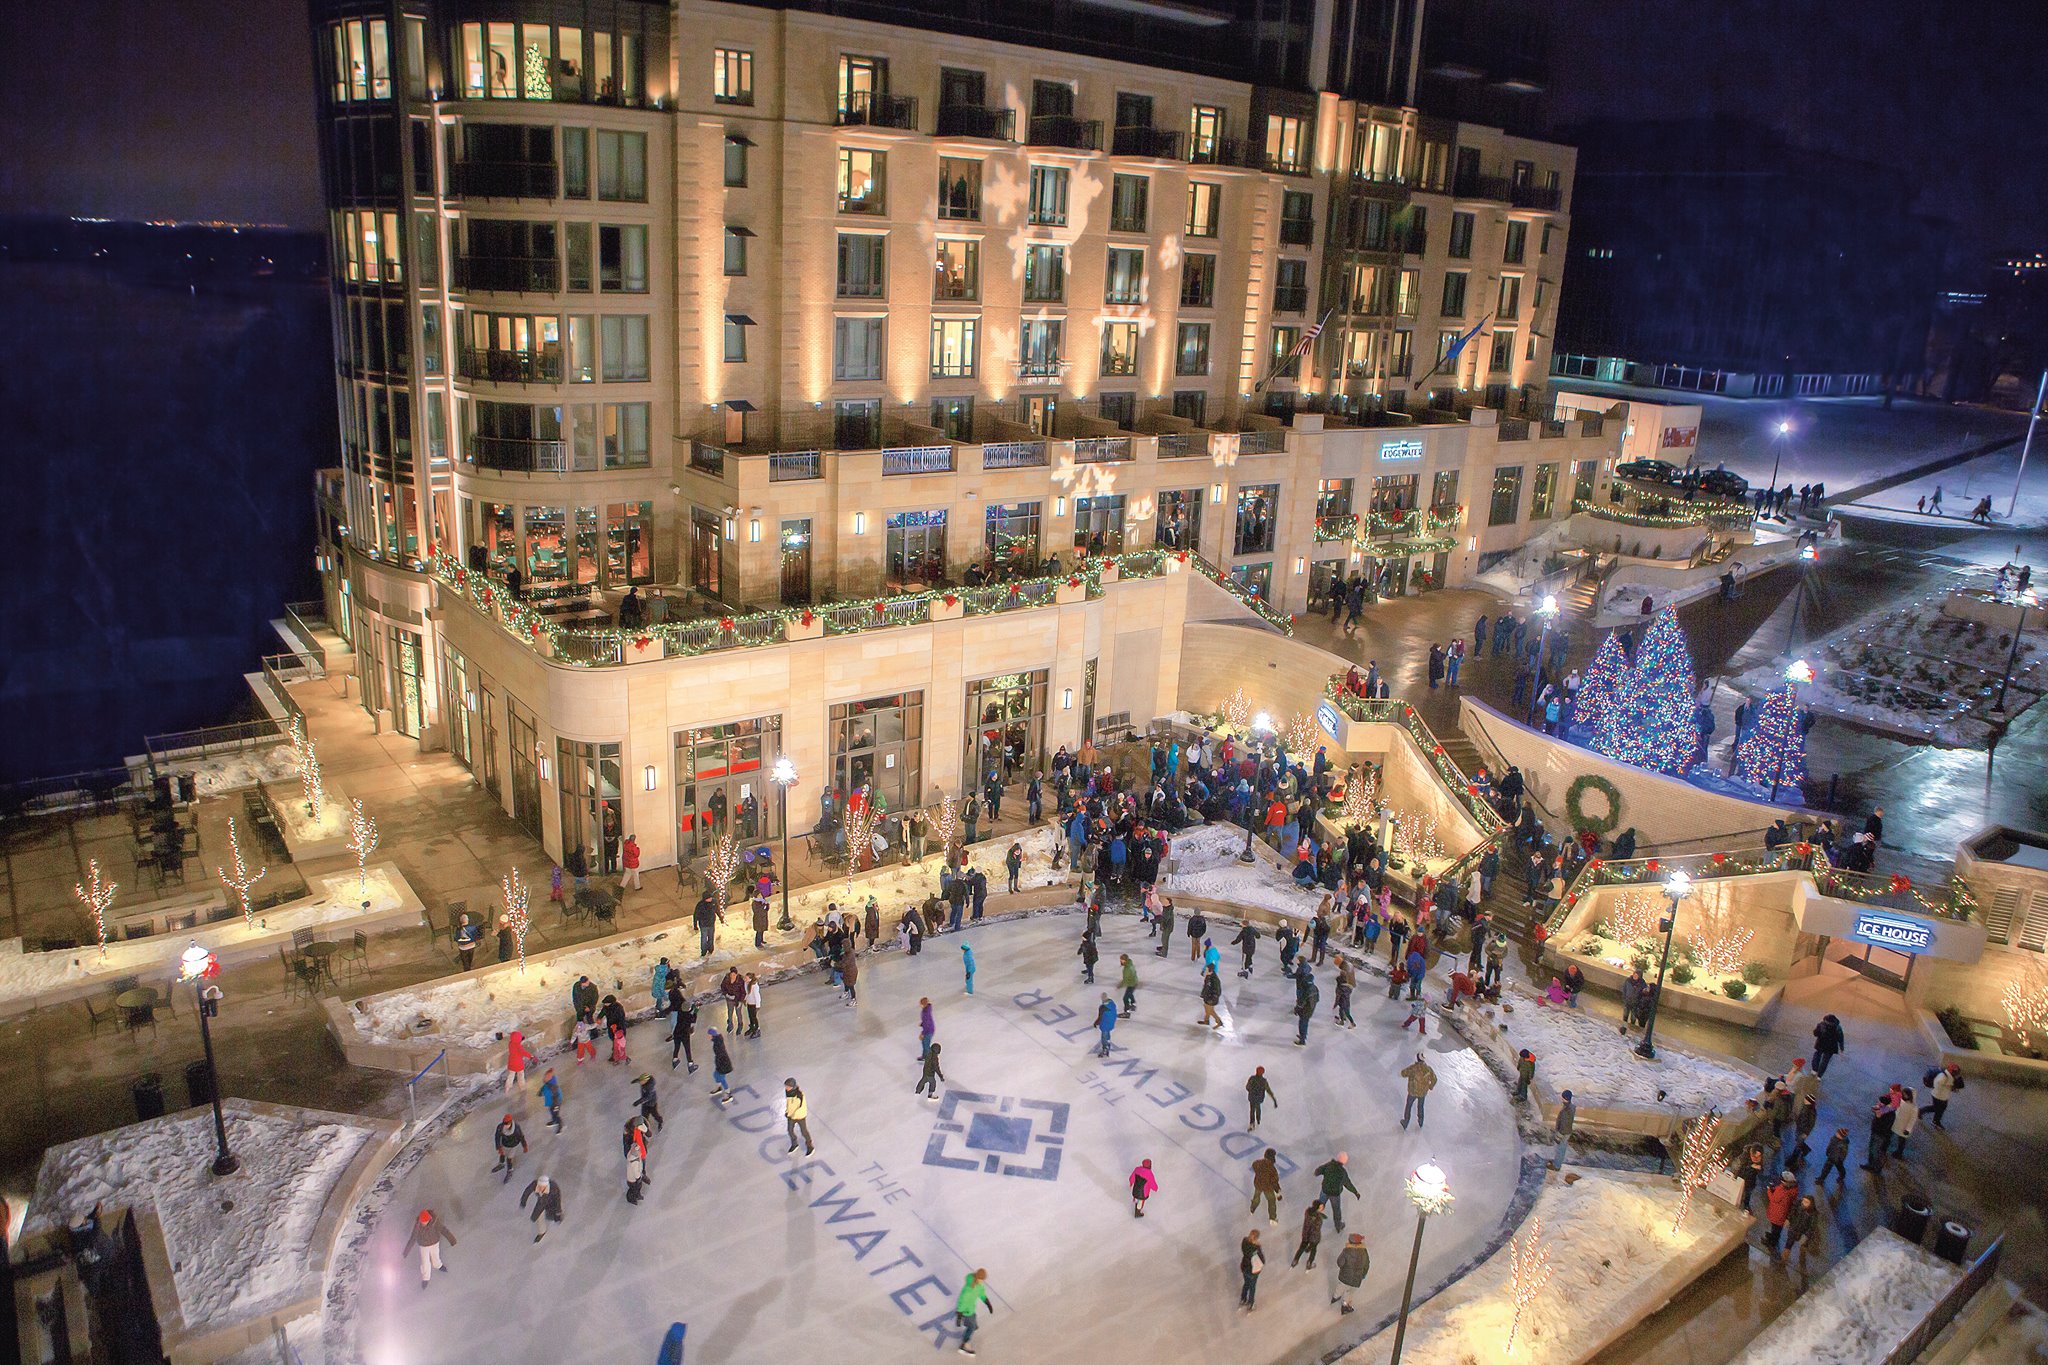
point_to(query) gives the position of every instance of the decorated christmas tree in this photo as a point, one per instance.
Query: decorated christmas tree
(1773, 753)
(1654, 725)
(1599, 687)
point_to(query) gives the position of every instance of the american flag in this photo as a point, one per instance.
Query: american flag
(1308, 338)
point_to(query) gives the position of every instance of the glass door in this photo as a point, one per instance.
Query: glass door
(1006, 735)
(796, 562)
(916, 549)
(592, 811)
(1099, 524)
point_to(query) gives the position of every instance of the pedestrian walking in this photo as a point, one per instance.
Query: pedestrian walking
(1883, 1115)
(1212, 995)
(508, 1140)
(1129, 981)
(721, 1068)
(1247, 942)
(753, 1005)
(1251, 1259)
(796, 1115)
(428, 1233)
(633, 1145)
(1353, 1262)
(517, 1055)
(1347, 981)
(1802, 1228)
(650, 1107)
(973, 1297)
(630, 859)
(1257, 1091)
(1567, 1119)
(1143, 1186)
(1418, 1015)
(1779, 1200)
(1942, 1083)
(1421, 1078)
(1311, 1234)
(1105, 1023)
(930, 1075)
(1089, 955)
(547, 1204)
(1198, 928)
(1904, 1119)
(849, 974)
(967, 964)
(1013, 863)
(1336, 1180)
(1266, 1186)
(927, 1027)
(1165, 924)
(1306, 997)
(1837, 1153)
(1828, 1043)
(682, 1024)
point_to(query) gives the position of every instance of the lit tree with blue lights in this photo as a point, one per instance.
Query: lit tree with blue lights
(1600, 687)
(1773, 753)
(1653, 724)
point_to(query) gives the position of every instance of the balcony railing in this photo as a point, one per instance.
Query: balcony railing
(1142, 140)
(1261, 442)
(973, 120)
(899, 611)
(918, 460)
(1297, 232)
(707, 459)
(1284, 165)
(1041, 368)
(511, 367)
(1534, 196)
(518, 454)
(504, 179)
(1182, 445)
(1222, 151)
(785, 466)
(1063, 130)
(1102, 449)
(1290, 299)
(870, 110)
(1514, 428)
(509, 274)
(1592, 425)
(1013, 455)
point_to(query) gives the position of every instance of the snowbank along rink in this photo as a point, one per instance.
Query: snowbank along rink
(856, 1253)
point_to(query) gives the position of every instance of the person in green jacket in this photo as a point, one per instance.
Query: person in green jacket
(973, 1296)
(1352, 1264)
(1525, 1072)
(1129, 981)
(1336, 1180)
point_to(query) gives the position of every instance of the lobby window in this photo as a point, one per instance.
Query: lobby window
(625, 435)
(1124, 281)
(1454, 294)
(1297, 218)
(1507, 496)
(1127, 199)
(736, 249)
(622, 259)
(1543, 497)
(732, 76)
(960, 189)
(1011, 533)
(736, 325)
(1503, 357)
(629, 542)
(857, 348)
(861, 260)
(624, 338)
(880, 741)
(736, 145)
(622, 167)
(1256, 508)
(1049, 196)
(1517, 242)
(362, 60)
(1039, 350)
(1045, 274)
(1119, 349)
(1191, 353)
(957, 269)
(1461, 236)
(953, 347)
(1198, 281)
(860, 180)
(1510, 298)
(1286, 143)
(1290, 285)
(1205, 209)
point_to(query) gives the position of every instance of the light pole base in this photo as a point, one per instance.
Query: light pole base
(1646, 1052)
(227, 1163)
(1247, 857)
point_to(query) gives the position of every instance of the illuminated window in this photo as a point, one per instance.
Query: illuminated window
(1119, 349)
(1286, 143)
(860, 180)
(954, 347)
(732, 76)
(1049, 195)
(1205, 209)
(957, 270)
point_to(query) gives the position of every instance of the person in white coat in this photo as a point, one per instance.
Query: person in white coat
(1904, 1121)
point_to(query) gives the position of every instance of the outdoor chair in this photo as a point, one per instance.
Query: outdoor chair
(300, 938)
(95, 1017)
(358, 954)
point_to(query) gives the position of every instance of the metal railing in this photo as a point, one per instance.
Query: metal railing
(866, 108)
(509, 274)
(1102, 449)
(503, 179)
(510, 367)
(1180, 445)
(1950, 1305)
(1592, 425)
(518, 454)
(707, 459)
(896, 611)
(1000, 597)
(786, 465)
(1064, 130)
(1514, 428)
(1297, 232)
(1223, 151)
(187, 745)
(918, 460)
(971, 120)
(1013, 455)
(1261, 442)
(1143, 140)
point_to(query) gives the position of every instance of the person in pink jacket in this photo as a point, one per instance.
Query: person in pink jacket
(1143, 1186)
(517, 1055)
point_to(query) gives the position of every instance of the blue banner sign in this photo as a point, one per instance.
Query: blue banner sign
(1331, 723)
(1887, 931)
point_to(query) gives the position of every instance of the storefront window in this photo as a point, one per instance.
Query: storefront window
(917, 547)
(455, 711)
(721, 776)
(1395, 492)
(1011, 535)
(1256, 504)
(586, 545)
(880, 742)
(501, 536)
(1180, 519)
(1006, 735)
(1099, 524)
(547, 559)
(525, 767)
(1333, 498)
(593, 818)
(1443, 490)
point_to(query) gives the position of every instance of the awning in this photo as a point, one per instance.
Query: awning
(740, 138)
(739, 319)
(738, 231)
(739, 405)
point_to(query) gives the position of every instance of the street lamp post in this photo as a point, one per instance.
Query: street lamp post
(1676, 887)
(1546, 612)
(1430, 1191)
(1260, 722)
(1778, 451)
(1809, 555)
(198, 966)
(783, 775)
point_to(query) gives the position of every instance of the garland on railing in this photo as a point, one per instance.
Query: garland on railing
(1703, 514)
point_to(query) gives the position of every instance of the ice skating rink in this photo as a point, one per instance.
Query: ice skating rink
(856, 1253)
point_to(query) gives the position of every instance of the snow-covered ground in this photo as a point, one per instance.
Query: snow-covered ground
(1861, 1309)
(1609, 1236)
(2020, 1338)
(336, 899)
(1205, 864)
(240, 1246)
(223, 773)
(1020, 1169)
(1964, 485)
(478, 1009)
(1588, 1054)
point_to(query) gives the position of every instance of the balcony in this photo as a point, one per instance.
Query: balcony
(1290, 298)
(866, 109)
(1284, 164)
(1182, 445)
(1297, 232)
(707, 459)
(509, 274)
(791, 465)
(973, 120)
(1041, 369)
(1471, 186)
(1142, 140)
(1013, 455)
(1262, 442)
(1535, 197)
(1102, 450)
(517, 454)
(1514, 428)
(1222, 151)
(511, 367)
(1063, 130)
(503, 179)
(917, 460)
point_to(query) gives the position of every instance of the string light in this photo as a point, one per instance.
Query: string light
(1722, 945)
(515, 912)
(1773, 753)
(1299, 734)
(1651, 722)
(97, 894)
(860, 837)
(721, 867)
(946, 821)
(1237, 711)
(308, 768)
(243, 879)
(362, 841)
(1698, 1162)
(1361, 797)
(1529, 1270)
(2026, 1004)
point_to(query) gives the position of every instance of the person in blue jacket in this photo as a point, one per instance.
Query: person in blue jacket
(1416, 964)
(967, 964)
(551, 1097)
(1105, 1023)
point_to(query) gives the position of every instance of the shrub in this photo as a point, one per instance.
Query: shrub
(1755, 973)
(1688, 952)
(1642, 962)
(1599, 927)
(1588, 946)
(1736, 989)
(1957, 1027)
(1682, 973)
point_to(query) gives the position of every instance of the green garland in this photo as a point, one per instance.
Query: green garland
(1574, 796)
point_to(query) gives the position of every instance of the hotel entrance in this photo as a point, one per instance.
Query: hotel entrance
(1006, 735)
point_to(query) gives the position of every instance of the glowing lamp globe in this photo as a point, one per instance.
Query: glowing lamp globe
(783, 774)
(1799, 671)
(194, 963)
(1678, 885)
(1262, 721)
(1428, 1188)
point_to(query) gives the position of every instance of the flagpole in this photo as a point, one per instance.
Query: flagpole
(1300, 349)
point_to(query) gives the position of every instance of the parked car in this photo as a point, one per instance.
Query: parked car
(1724, 483)
(1649, 471)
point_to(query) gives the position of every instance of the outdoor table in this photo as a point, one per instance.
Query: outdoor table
(321, 951)
(138, 1004)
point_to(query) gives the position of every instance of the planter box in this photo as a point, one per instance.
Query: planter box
(1975, 1063)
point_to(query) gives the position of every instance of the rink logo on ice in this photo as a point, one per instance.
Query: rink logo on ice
(998, 1135)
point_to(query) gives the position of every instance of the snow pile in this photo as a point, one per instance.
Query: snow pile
(1861, 1309)
(1610, 1238)
(1590, 1056)
(241, 1246)
(337, 898)
(1205, 864)
(477, 1010)
(225, 773)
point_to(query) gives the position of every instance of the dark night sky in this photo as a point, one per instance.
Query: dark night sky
(203, 108)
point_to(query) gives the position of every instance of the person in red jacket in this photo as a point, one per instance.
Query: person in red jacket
(632, 864)
(1778, 1202)
(517, 1055)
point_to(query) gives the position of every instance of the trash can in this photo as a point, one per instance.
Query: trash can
(160, 787)
(199, 1083)
(506, 947)
(188, 788)
(1952, 1241)
(149, 1097)
(1911, 1220)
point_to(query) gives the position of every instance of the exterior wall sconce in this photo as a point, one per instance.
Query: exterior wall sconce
(754, 530)
(653, 778)
(1215, 492)
(860, 523)
(1066, 699)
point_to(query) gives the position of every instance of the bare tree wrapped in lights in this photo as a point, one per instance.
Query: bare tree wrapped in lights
(97, 895)
(722, 867)
(1699, 1161)
(2026, 1005)
(516, 918)
(1299, 734)
(1361, 796)
(362, 841)
(1237, 711)
(243, 880)
(1415, 836)
(1638, 917)
(309, 769)
(1529, 1270)
(860, 837)
(1721, 943)
(946, 822)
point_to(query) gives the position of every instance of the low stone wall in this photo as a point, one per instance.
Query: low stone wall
(2003, 1066)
